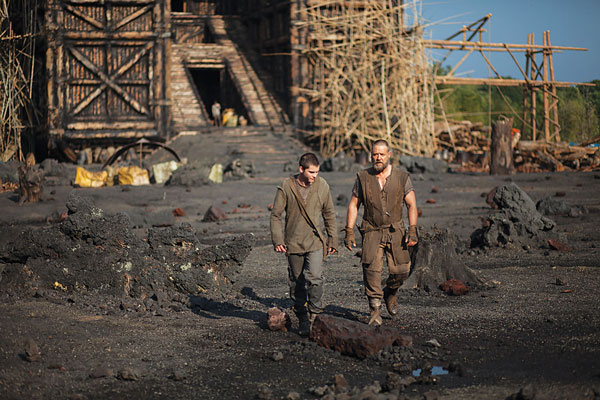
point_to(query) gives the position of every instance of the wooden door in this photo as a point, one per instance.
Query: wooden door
(107, 64)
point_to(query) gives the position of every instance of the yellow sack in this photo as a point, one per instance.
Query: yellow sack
(228, 114)
(133, 175)
(85, 178)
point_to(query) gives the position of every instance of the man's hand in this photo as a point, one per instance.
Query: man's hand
(411, 236)
(349, 239)
(280, 248)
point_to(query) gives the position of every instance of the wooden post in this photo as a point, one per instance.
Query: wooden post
(526, 88)
(533, 77)
(545, 88)
(501, 148)
(554, 105)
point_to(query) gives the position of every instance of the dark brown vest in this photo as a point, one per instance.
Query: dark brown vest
(383, 213)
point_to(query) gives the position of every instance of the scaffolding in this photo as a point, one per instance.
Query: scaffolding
(368, 76)
(537, 75)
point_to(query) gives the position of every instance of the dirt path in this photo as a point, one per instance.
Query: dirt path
(525, 329)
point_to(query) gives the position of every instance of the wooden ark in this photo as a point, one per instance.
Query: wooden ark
(108, 68)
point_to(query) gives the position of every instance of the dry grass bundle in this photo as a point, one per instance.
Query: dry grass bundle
(15, 90)
(370, 78)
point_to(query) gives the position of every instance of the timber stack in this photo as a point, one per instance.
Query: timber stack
(468, 144)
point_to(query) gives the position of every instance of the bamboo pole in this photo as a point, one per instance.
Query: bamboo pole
(533, 92)
(354, 50)
(554, 106)
(545, 88)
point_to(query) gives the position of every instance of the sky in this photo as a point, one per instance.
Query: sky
(573, 23)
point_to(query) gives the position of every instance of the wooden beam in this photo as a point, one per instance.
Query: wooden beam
(97, 126)
(452, 80)
(485, 45)
(84, 17)
(554, 106)
(109, 36)
(545, 93)
(133, 16)
(109, 80)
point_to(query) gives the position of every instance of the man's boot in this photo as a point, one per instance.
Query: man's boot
(375, 317)
(304, 324)
(391, 300)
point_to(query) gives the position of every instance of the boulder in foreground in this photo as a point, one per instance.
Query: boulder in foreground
(354, 338)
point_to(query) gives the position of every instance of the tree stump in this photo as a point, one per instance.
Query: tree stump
(501, 148)
(30, 181)
(434, 261)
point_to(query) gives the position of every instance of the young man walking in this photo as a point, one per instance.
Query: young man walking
(383, 190)
(306, 201)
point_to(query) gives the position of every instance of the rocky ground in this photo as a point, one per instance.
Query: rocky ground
(530, 332)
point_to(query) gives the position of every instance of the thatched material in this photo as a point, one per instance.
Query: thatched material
(16, 50)
(369, 76)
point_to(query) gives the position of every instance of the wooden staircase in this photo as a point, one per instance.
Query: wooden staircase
(188, 111)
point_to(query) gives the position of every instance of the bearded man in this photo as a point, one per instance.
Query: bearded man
(383, 190)
(306, 200)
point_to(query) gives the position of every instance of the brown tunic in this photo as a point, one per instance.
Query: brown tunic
(382, 217)
(299, 235)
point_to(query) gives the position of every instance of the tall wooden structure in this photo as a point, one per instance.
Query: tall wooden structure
(107, 68)
(537, 75)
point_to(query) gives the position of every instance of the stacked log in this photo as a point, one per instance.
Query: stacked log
(543, 156)
(463, 142)
(468, 144)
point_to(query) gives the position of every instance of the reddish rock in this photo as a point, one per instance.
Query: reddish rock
(490, 198)
(355, 338)
(101, 373)
(32, 351)
(178, 212)
(454, 287)
(434, 189)
(340, 383)
(556, 245)
(430, 201)
(278, 320)
(214, 214)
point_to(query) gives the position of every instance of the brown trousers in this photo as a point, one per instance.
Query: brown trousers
(397, 273)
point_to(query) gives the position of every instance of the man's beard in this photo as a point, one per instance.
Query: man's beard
(381, 167)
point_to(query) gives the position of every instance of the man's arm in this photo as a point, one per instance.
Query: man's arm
(351, 216)
(411, 204)
(276, 221)
(328, 212)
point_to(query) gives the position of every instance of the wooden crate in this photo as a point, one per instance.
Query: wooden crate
(108, 68)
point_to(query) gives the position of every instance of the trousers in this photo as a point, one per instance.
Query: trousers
(372, 273)
(306, 281)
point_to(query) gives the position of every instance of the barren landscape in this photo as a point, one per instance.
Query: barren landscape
(531, 332)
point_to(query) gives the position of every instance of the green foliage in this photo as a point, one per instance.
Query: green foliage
(578, 107)
(577, 113)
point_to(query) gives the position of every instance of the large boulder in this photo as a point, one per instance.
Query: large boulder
(355, 338)
(517, 221)
(416, 164)
(551, 206)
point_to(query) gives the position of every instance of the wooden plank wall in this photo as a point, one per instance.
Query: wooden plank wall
(106, 68)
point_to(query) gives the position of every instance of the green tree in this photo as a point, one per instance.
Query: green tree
(578, 114)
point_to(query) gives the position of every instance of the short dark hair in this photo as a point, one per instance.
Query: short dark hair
(308, 159)
(380, 142)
